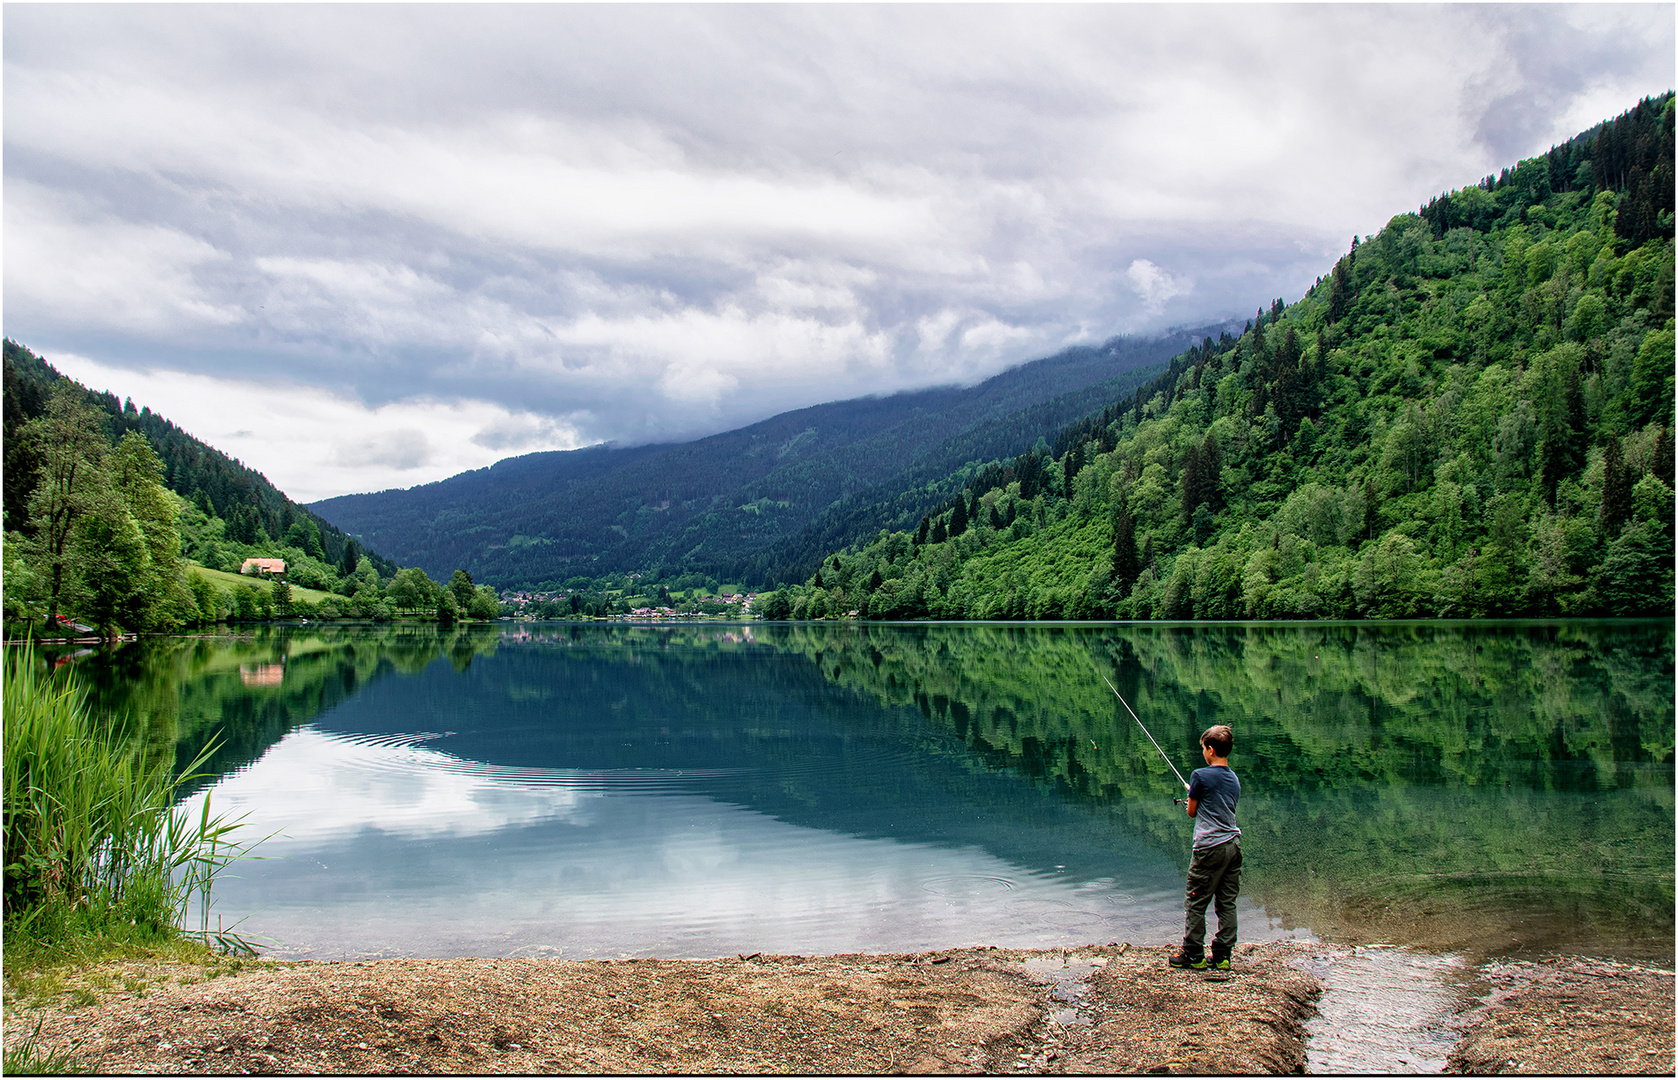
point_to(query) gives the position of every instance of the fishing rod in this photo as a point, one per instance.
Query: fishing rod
(1144, 728)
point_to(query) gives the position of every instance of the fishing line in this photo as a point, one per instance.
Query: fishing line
(1143, 726)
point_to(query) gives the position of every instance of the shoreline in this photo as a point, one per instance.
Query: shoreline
(1089, 1009)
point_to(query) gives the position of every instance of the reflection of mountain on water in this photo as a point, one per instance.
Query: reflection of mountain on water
(772, 732)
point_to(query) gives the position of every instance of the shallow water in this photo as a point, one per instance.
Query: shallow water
(1071, 976)
(1383, 1010)
(596, 790)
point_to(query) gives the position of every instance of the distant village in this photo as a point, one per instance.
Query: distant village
(529, 604)
(736, 605)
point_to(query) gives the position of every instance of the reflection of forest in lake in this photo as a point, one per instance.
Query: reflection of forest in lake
(248, 690)
(1484, 786)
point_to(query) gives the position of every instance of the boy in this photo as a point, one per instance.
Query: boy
(1215, 871)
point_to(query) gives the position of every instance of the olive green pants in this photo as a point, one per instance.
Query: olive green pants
(1214, 874)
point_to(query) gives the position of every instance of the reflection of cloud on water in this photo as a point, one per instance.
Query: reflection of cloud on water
(312, 786)
(389, 847)
(666, 873)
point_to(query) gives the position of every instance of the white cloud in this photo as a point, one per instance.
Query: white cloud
(75, 265)
(314, 444)
(1154, 285)
(403, 449)
(650, 222)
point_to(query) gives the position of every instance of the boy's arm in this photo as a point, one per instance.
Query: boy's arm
(1194, 804)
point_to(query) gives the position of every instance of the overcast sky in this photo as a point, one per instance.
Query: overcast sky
(363, 247)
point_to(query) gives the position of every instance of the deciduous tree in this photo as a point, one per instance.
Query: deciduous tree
(71, 454)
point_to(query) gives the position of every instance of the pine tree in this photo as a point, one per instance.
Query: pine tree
(1209, 476)
(1562, 435)
(1578, 426)
(1371, 511)
(1070, 465)
(1028, 466)
(1288, 393)
(1127, 565)
(1663, 457)
(958, 518)
(1616, 489)
(1190, 480)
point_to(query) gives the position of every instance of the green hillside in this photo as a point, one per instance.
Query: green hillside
(1469, 415)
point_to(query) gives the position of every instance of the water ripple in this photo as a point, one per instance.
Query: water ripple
(966, 885)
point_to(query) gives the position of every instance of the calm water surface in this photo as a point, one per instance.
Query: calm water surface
(601, 791)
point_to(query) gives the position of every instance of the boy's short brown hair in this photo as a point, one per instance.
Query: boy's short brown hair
(1219, 738)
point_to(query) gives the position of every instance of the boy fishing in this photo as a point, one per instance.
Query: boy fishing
(1215, 870)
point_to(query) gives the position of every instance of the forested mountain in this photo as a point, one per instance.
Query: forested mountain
(216, 484)
(108, 508)
(1470, 415)
(759, 504)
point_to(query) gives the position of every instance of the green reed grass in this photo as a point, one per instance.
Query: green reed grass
(29, 1057)
(94, 843)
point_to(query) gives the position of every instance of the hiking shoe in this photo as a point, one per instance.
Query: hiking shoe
(1182, 960)
(1219, 963)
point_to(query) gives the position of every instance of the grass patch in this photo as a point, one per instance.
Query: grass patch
(233, 581)
(100, 964)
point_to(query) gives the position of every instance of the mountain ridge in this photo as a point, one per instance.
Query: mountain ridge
(719, 504)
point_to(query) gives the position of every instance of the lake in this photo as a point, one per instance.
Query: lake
(696, 790)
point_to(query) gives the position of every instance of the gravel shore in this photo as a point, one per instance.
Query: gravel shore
(1108, 1009)
(1569, 1016)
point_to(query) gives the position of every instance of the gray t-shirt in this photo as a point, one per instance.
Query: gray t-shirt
(1218, 790)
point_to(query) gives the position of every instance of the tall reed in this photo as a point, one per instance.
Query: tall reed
(93, 839)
